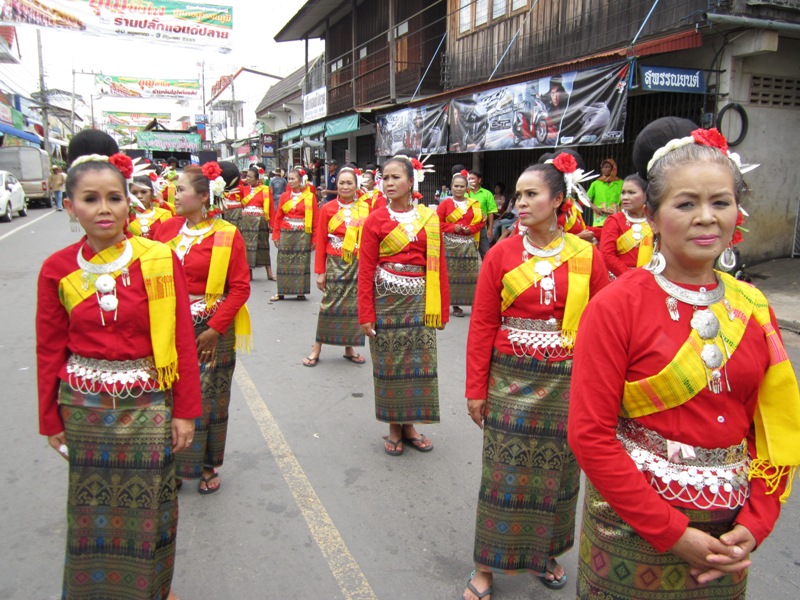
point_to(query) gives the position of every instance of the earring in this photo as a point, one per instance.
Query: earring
(73, 223)
(554, 224)
(727, 260)
(657, 263)
(205, 212)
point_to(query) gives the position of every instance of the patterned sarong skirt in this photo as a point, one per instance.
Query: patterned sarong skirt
(211, 430)
(338, 312)
(615, 563)
(530, 478)
(122, 507)
(294, 263)
(463, 264)
(255, 231)
(404, 360)
(233, 216)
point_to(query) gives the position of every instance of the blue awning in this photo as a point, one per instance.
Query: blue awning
(23, 135)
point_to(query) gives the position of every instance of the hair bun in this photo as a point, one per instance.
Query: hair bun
(655, 136)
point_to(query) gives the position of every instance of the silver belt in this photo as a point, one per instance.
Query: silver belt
(200, 310)
(403, 268)
(387, 282)
(94, 376)
(705, 477)
(456, 238)
(529, 336)
(336, 241)
(295, 224)
(253, 211)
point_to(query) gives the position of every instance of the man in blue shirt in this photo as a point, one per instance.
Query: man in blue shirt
(330, 193)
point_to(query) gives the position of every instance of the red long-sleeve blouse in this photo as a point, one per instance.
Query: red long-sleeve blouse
(196, 264)
(377, 226)
(618, 264)
(448, 206)
(626, 334)
(487, 316)
(298, 212)
(59, 334)
(262, 198)
(322, 241)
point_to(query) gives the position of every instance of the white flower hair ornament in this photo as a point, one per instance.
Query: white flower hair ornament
(420, 168)
(573, 176)
(217, 187)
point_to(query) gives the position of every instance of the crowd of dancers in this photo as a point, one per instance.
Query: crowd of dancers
(634, 360)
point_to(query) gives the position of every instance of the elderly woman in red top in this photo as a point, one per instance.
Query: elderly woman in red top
(254, 222)
(118, 389)
(627, 240)
(293, 232)
(461, 221)
(338, 241)
(215, 262)
(403, 297)
(685, 410)
(369, 193)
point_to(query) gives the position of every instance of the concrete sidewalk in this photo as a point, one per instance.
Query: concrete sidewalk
(779, 279)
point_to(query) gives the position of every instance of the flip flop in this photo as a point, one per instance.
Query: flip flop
(310, 361)
(276, 298)
(207, 480)
(473, 589)
(395, 444)
(301, 296)
(553, 584)
(458, 312)
(421, 440)
(271, 279)
(357, 358)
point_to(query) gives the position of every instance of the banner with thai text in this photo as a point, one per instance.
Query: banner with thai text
(189, 24)
(142, 87)
(422, 129)
(164, 141)
(133, 121)
(672, 79)
(572, 108)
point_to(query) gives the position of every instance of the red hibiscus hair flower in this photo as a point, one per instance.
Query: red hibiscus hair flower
(565, 163)
(711, 137)
(153, 176)
(737, 233)
(123, 163)
(463, 172)
(416, 164)
(211, 170)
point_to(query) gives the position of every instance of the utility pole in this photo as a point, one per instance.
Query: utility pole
(72, 111)
(235, 112)
(45, 99)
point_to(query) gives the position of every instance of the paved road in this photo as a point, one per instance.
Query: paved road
(310, 506)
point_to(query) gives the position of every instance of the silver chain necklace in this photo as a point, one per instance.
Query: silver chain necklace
(538, 252)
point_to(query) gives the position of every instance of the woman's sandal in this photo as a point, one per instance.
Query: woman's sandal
(419, 443)
(276, 298)
(207, 480)
(474, 590)
(301, 296)
(394, 451)
(355, 358)
(457, 312)
(553, 584)
(310, 361)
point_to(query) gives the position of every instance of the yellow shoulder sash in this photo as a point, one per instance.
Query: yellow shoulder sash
(352, 237)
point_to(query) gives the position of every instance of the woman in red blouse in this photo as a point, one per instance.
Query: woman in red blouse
(293, 233)
(254, 222)
(532, 290)
(627, 240)
(338, 242)
(147, 221)
(118, 389)
(215, 262)
(461, 219)
(685, 410)
(403, 297)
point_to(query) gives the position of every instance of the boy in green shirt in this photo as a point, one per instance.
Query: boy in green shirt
(488, 208)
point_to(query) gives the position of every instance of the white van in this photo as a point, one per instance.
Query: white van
(31, 167)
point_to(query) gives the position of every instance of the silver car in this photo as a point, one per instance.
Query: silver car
(12, 197)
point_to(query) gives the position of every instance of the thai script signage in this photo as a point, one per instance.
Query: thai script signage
(315, 104)
(141, 87)
(169, 142)
(670, 79)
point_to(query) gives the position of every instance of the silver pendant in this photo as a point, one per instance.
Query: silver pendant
(672, 307)
(109, 303)
(85, 279)
(729, 308)
(105, 284)
(543, 268)
(706, 324)
(712, 356)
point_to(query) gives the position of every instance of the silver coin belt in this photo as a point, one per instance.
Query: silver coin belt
(532, 336)
(457, 238)
(295, 224)
(706, 478)
(130, 378)
(336, 242)
(200, 311)
(391, 283)
(253, 211)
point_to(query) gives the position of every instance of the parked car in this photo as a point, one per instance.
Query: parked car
(12, 197)
(31, 167)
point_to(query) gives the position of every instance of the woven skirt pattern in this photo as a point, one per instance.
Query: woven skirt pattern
(233, 216)
(338, 312)
(463, 264)
(530, 478)
(122, 508)
(255, 232)
(404, 361)
(294, 263)
(211, 430)
(615, 563)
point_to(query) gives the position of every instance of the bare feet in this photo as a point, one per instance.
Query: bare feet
(479, 587)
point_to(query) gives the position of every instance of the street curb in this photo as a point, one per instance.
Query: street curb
(789, 325)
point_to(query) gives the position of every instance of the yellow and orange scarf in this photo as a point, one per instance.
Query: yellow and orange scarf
(266, 194)
(626, 242)
(398, 239)
(308, 216)
(477, 216)
(352, 237)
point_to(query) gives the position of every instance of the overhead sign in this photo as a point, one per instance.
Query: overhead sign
(315, 104)
(164, 141)
(142, 87)
(422, 129)
(672, 79)
(163, 21)
(133, 120)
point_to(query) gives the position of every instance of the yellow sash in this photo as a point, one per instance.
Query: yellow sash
(477, 215)
(626, 242)
(370, 197)
(577, 255)
(352, 236)
(396, 242)
(265, 194)
(308, 217)
(645, 250)
(777, 415)
(155, 260)
(160, 214)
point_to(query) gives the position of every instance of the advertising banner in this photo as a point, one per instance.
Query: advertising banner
(573, 108)
(422, 129)
(163, 141)
(130, 120)
(671, 79)
(189, 24)
(315, 104)
(141, 87)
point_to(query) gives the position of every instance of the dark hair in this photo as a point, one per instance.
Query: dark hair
(476, 173)
(502, 186)
(91, 141)
(405, 161)
(230, 173)
(573, 153)
(457, 169)
(198, 181)
(347, 170)
(459, 176)
(144, 181)
(553, 178)
(635, 179)
(172, 161)
(254, 171)
(76, 173)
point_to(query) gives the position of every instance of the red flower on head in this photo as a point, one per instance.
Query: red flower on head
(737, 232)
(711, 137)
(260, 171)
(464, 172)
(416, 196)
(302, 172)
(416, 164)
(123, 163)
(211, 170)
(153, 176)
(565, 163)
